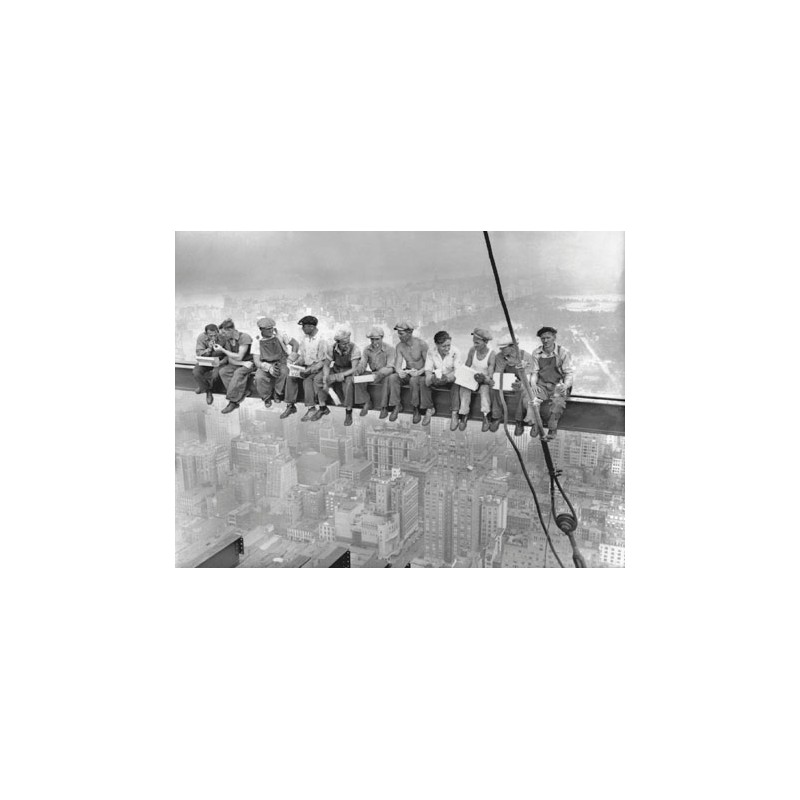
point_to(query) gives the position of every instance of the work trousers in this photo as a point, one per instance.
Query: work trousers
(420, 393)
(389, 393)
(234, 378)
(522, 402)
(553, 403)
(309, 389)
(269, 386)
(205, 377)
(346, 391)
(466, 399)
(452, 388)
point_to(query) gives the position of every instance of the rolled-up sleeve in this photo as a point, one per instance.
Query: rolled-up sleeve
(568, 368)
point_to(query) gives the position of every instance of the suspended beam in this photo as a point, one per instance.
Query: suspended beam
(585, 414)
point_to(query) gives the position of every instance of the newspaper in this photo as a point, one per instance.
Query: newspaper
(507, 377)
(465, 376)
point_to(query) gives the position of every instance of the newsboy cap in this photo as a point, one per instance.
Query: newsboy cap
(546, 329)
(482, 332)
(309, 320)
(375, 333)
(342, 333)
(404, 326)
(265, 322)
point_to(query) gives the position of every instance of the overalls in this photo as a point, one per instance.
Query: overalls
(272, 352)
(555, 400)
(341, 362)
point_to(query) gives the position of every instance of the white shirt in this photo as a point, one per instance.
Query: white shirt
(440, 365)
(312, 349)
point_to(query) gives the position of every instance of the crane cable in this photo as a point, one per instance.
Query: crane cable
(567, 523)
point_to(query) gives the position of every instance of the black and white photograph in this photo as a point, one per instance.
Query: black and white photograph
(444, 287)
(400, 399)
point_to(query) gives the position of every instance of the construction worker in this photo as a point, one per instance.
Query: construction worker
(440, 373)
(205, 376)
(379, 358)
(551, 379)
(409, 366)
(271, 361)
(481, 360)
(511, 360)
(339, 368)
(235, 373)
(311, 355)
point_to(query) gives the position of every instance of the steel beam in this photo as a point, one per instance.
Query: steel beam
(583, 413)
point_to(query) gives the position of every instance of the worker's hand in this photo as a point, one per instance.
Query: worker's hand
(560, 388)
(428, 380)
(402, 373)
(385, 371)
(450, 377)
(218, 348)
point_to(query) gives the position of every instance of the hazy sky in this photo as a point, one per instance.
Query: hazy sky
(218, 261)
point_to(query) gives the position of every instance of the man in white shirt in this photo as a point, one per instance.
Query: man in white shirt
(440, 373)
(311, 355)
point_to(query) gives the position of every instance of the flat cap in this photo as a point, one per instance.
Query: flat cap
(546, 329)
(375, 333)
(505, 340)
(265, 322)
(483, 333)
(404, 326)
(308, 320)
(342, 333)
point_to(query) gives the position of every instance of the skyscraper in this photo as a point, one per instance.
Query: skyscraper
(221, 428)
(393, 447)
(337, 448)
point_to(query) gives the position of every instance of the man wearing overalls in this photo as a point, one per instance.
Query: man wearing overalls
(240, 363)
(551, 379)
(271, 361)
(340, 368)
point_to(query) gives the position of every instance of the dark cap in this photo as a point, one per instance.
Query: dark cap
(546, 329)
(309, 320)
